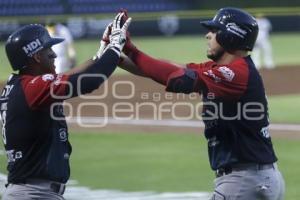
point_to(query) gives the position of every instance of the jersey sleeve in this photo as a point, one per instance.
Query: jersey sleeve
(182, 81)
(41, 91)
(222, 81)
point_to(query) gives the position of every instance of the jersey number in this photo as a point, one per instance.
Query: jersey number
(3, 119)
(4, 95)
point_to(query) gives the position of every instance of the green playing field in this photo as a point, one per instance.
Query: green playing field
(158, 162)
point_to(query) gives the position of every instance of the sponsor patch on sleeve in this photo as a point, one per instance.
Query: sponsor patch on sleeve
(227, 73)
(48, 77)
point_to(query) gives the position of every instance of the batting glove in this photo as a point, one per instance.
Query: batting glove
(104, 41)
(118, 33)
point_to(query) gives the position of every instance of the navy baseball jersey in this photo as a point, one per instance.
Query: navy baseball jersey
(34, 131)
(235, 110)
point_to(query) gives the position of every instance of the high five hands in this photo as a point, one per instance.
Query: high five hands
(114, 36)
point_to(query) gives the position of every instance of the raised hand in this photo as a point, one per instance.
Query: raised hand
(104, 41)
(119, 29)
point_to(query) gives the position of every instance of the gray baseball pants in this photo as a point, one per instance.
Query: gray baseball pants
(250, 184)
(34, 189)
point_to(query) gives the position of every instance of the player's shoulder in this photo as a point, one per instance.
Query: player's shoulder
(200, 65)
(239, 65)
(236, 70)
(33, 79)
(44, 80)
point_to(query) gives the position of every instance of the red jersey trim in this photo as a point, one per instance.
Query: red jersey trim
(225, 81)
(40, 91)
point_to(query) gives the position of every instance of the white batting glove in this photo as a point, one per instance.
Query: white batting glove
(104, 41)
(118, 33)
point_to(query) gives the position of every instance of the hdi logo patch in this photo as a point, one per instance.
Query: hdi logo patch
(32, 47)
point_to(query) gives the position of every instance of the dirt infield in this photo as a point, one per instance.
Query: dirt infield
(137, 97)
(284, 80)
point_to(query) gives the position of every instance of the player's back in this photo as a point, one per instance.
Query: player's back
(235, 113)
(28, 133)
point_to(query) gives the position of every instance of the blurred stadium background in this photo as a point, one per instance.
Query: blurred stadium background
(140, 159)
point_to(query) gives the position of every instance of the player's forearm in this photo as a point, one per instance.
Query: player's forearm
(94, 74)
(126, 64)
(158, 70)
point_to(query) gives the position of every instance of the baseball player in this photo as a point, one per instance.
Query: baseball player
(263, 49)
(35, 132)
(65, 52)
(235, 110)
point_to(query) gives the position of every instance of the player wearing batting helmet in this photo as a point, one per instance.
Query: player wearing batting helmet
(35, 132)
(235, 110)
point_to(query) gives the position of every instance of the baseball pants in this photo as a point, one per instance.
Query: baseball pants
(246, 184)
(34, 189)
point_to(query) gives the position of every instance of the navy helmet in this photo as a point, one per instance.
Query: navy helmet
(236, 29)
(22, 44)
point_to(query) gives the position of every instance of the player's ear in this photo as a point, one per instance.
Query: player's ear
(36, 57)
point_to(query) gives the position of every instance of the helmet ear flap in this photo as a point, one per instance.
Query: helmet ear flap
(228, 40)
(17, 59)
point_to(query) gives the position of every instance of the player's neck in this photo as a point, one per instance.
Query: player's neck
(228, 58)
(31, 70)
